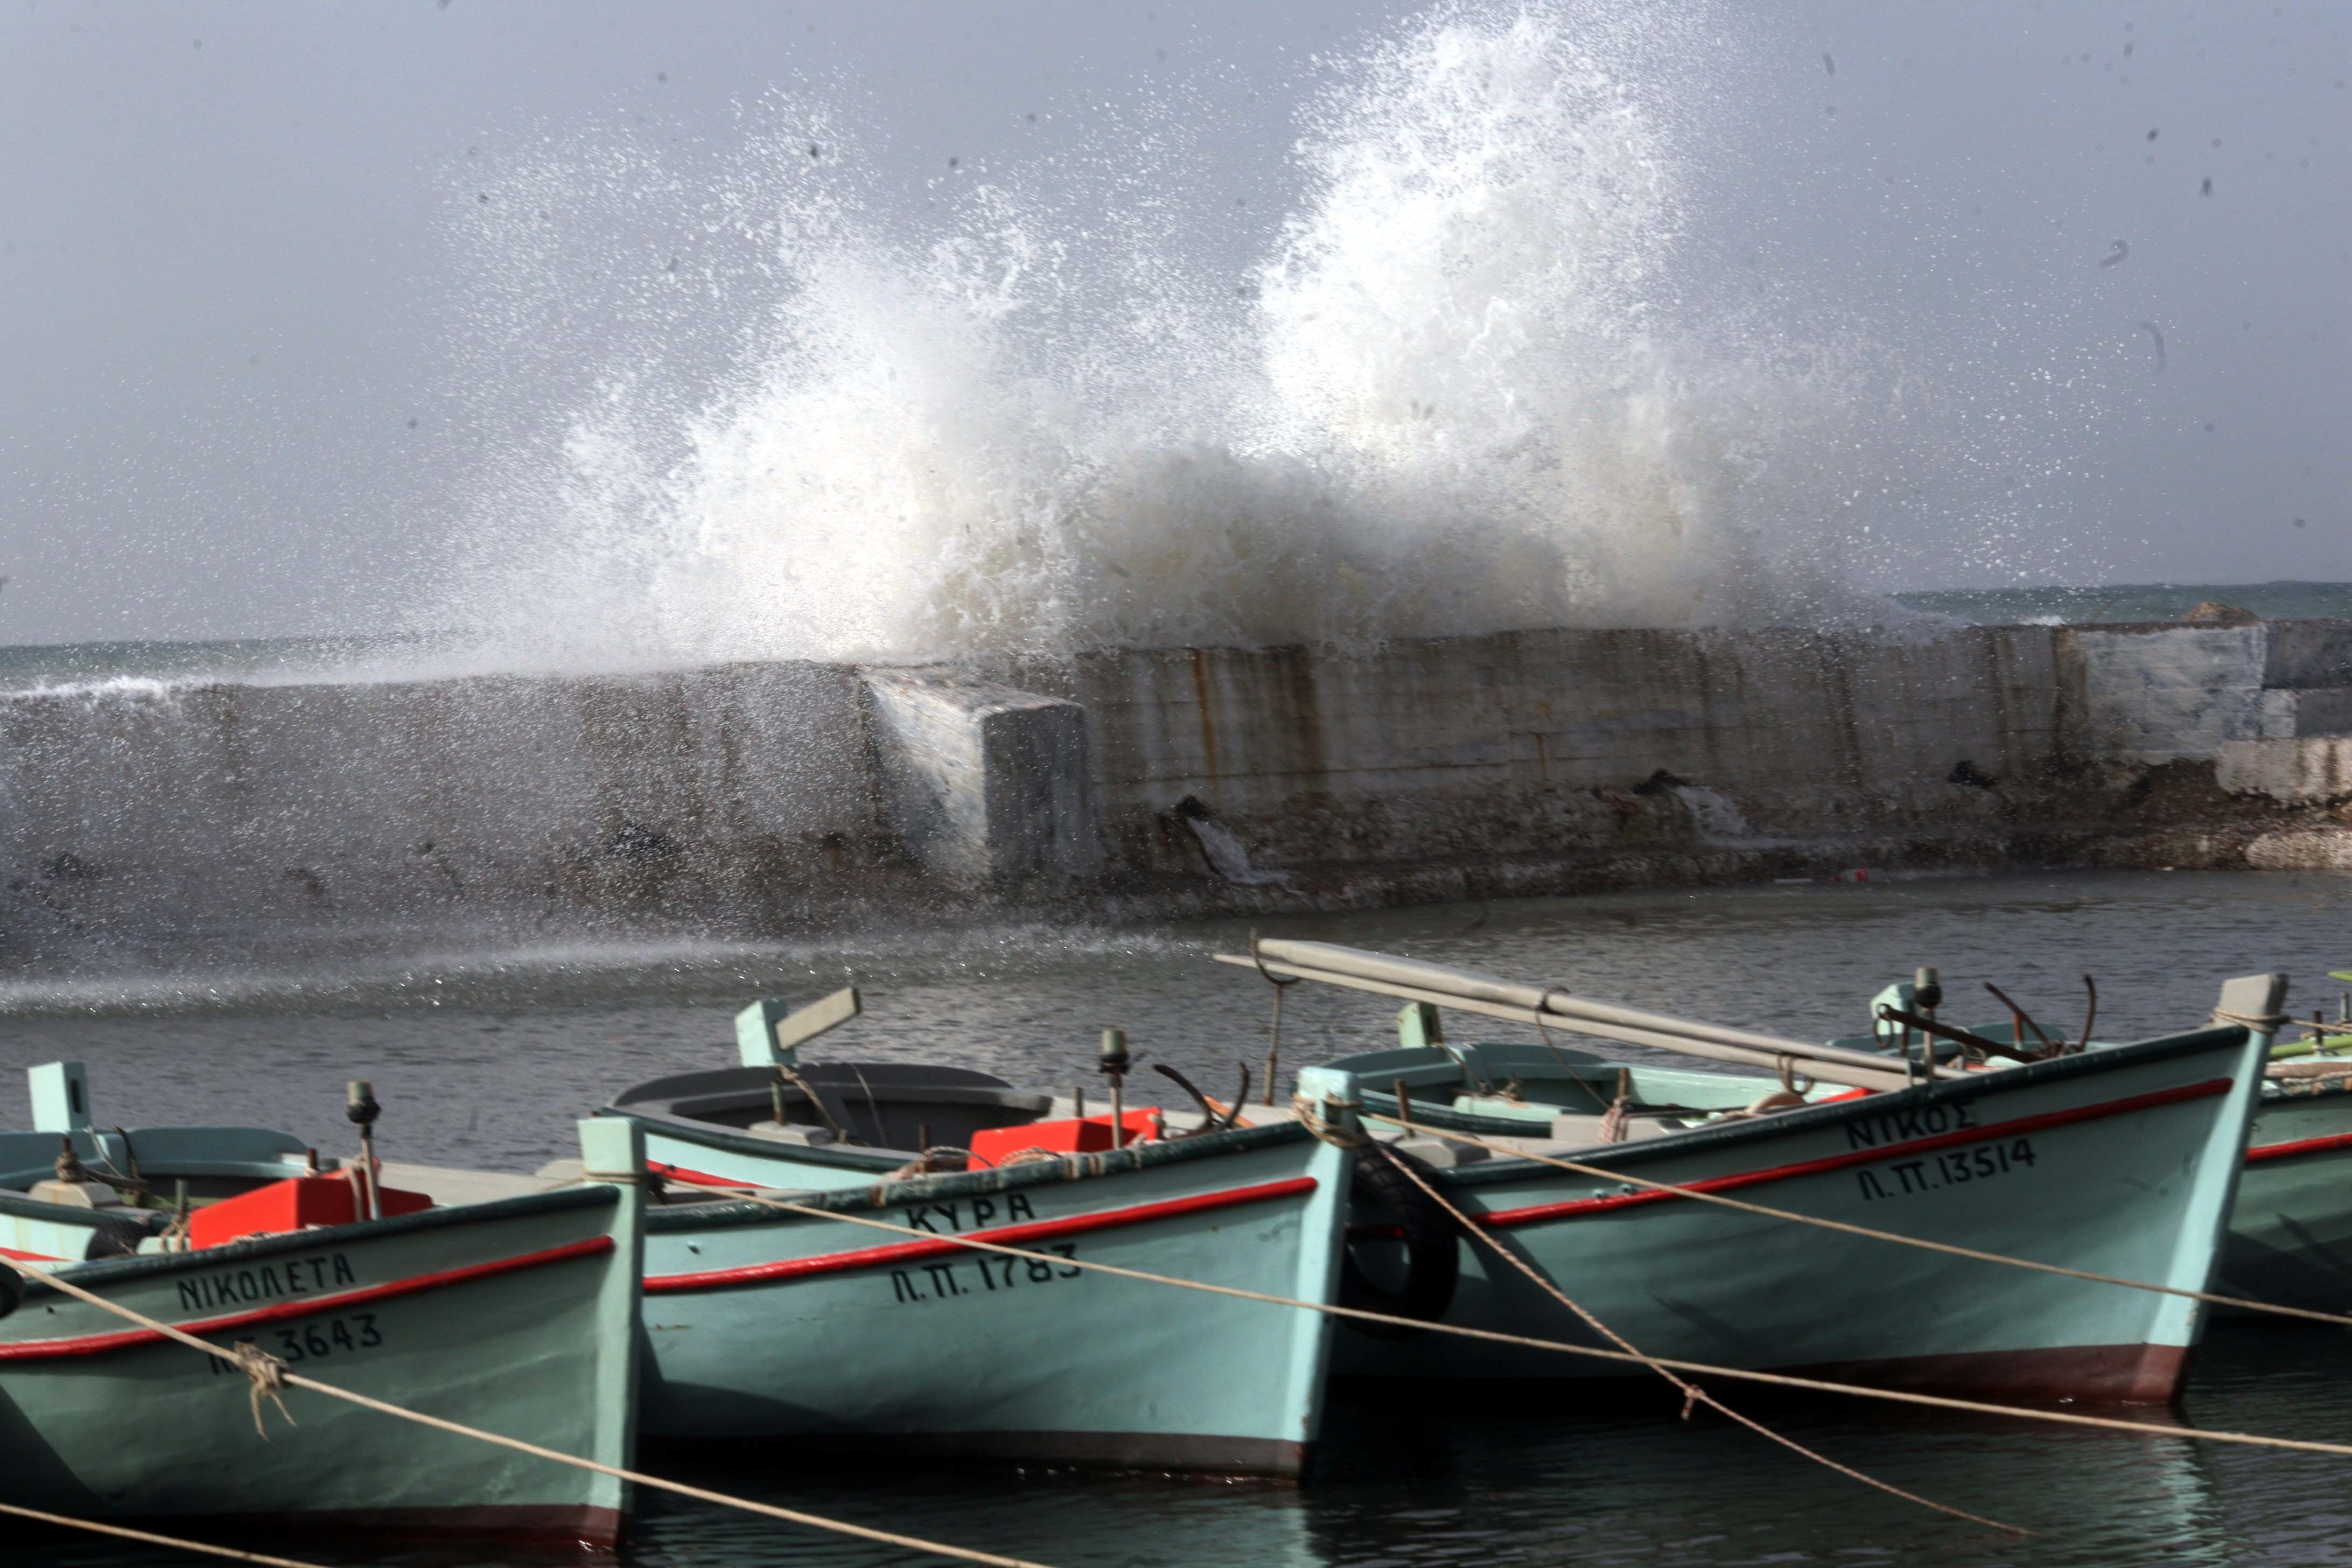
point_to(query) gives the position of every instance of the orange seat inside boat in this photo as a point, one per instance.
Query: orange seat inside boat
(296, 1204)
(1072, 1136)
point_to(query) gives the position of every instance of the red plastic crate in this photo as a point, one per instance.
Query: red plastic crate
(292, 1204)
(1070, 1136)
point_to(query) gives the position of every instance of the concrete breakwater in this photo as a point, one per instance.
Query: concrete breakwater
(759, 798)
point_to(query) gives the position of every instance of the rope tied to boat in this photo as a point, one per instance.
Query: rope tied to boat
(921, 1166)
(1542, 1004)
(1701, 1195)
(1326, 1131)
(2259, 1023)
(70, 1168)
(1693, 1395)
(1561, 1347)
(284, 1379)
(266, 1377)
(787, 1075)
(149, 1538)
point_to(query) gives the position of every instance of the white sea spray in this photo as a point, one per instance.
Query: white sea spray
(1475, 380)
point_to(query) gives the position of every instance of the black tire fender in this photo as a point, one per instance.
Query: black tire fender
(1433, 1248)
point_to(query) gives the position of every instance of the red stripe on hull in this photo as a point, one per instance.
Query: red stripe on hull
(699, 1178)
(29, 1257)
(1503, 1219)
(2262, 1152)
(305, 1306)
(1008, 1236)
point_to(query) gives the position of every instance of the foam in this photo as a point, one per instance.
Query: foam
(1476, 382)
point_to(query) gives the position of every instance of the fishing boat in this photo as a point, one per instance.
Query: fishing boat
(2290, 1240)
(2291, 1233)
(518, 1316)
(794, 1324)
(2121, 1162)
(72, 1191)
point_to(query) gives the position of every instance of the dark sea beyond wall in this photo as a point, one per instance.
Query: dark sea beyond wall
(274, 659)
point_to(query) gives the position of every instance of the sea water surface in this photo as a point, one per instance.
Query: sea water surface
(161, 663)
(488, 1058)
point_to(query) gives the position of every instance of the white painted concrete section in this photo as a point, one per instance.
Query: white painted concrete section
(984, 784)
(2165, 694)
(2303, 771)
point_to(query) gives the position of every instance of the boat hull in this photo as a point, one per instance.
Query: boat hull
(2120, 1163)
(517, 1316)
(2291, 1237)
(768, 1325)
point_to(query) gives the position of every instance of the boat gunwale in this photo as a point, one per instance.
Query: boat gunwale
(953, 1184)
(2277, 1090)
(657, 1112)
(116, 1271)
(1834, 1113)
(18, 1205)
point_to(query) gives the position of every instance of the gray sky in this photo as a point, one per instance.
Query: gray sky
(234, 264)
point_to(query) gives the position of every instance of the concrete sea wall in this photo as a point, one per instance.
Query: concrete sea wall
(1536, 743)
(758, 797)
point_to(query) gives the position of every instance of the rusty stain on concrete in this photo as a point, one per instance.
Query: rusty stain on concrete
(1207, 709)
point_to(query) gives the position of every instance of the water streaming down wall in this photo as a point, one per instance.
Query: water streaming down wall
(757, 798)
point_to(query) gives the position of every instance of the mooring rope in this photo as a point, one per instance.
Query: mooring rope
(1691, 1393)
(149, 1538)
(280, 1377)
(1863, 1230)
(1497, 1336)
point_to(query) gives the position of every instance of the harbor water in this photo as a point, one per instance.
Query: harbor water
(485, 1055)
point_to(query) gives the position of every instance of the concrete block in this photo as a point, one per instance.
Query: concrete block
(2300, 771)
(1532, 742)
(2305, 654)
(680, 790)
(2302, 849)
(2307, 711)
(986, 785)
(2158, 694)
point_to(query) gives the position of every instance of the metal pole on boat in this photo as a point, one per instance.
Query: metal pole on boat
(361, 1108)
(1927, 991)
(1274, 1034)
(1114, 1066)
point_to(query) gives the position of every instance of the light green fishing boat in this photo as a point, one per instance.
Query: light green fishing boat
(2290, 1239)
(2121, 1161)
(112, 1191)
(795, 1327)
(518, 1317)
